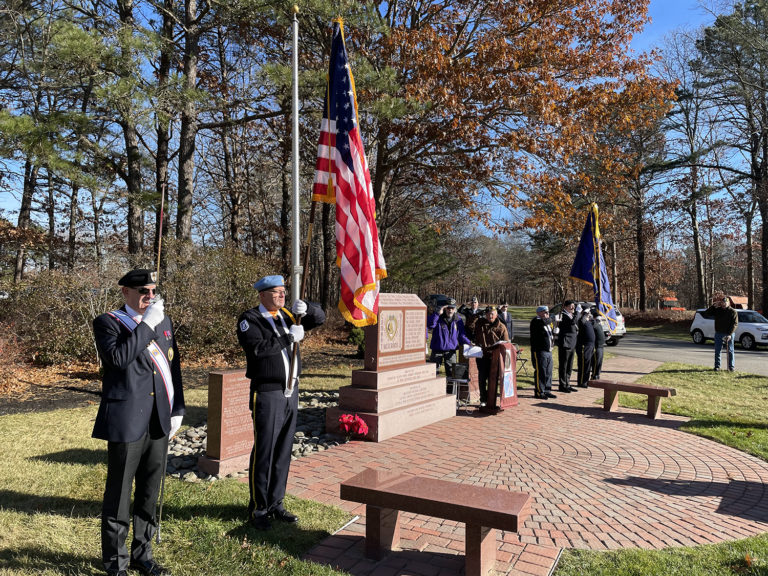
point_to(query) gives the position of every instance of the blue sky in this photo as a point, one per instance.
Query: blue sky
(666, 16)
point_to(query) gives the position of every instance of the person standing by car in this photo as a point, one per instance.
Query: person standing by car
(597, 360)
(566, 345)
(488, 332)
(541, 353)
(585, 348)
(726, 321)
(447, 332)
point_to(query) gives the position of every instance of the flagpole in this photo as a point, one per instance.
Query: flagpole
(299, 280)
(295, 241)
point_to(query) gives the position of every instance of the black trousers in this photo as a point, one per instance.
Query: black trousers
(143, 461)
(274, 423)
(447, 356)
(483, 374)
(597, 363)
(565, 360)
(585, 363)
(542, 371)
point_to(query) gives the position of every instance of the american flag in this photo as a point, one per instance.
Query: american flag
(342, 177)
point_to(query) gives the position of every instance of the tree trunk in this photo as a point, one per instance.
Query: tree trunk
(72, 240)
(51, 210)
(750, 261)
(329, 254)
(189, 124)
(640, 239)
(25, 215)
(163, 132)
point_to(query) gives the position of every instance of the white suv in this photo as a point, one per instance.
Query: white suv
(751, 331)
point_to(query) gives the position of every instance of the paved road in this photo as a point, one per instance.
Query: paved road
(666, 350)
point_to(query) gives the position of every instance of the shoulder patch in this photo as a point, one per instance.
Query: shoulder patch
(244, 326)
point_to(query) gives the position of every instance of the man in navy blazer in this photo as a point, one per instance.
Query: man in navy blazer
(142, 404)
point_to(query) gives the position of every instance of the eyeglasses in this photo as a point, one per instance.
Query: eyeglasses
(145, 291)
(277, 292)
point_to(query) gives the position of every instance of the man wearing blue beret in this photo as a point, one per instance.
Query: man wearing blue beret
(268, 334)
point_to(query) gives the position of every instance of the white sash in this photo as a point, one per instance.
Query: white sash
(287, 352)
(155, 353)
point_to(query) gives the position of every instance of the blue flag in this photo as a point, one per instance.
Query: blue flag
(589, 267)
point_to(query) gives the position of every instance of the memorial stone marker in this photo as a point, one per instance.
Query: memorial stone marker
(397, 391)
(230, 430)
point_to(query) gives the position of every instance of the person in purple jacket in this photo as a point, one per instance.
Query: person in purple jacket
(447, 333)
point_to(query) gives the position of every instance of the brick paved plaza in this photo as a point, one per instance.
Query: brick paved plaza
(599, 481)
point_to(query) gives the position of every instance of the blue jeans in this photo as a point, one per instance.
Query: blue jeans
(719, 337)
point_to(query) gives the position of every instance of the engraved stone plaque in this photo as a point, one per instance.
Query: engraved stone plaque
(399, 338)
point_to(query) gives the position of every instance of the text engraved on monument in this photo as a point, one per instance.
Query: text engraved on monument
(415, 329)
(391, 331)
(402, 359)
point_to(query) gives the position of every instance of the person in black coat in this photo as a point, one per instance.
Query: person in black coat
(506, 318)
(142, 404)
(585, 348)
(597, 362)
(566, 345)
(541, 353)
(268, 334)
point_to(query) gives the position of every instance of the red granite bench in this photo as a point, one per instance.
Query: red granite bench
(611, 391)
(483, 511)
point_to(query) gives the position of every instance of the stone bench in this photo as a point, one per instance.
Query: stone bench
(482, 510)
(611, 394)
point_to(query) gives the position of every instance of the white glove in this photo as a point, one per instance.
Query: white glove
(297, 331)
(299, 308)
(154, 314)
(175, 425)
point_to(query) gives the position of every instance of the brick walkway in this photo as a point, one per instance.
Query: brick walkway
(598, 481)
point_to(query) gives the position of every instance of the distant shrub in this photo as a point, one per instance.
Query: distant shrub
(357, 337)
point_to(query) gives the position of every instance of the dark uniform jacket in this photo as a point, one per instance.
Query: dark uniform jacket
(540, 337)
(264, 349)
(599, 333)
(132, 386)
(488, 333)
(568, 331)
(586, 334)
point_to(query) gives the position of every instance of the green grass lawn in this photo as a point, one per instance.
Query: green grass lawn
(51, 485)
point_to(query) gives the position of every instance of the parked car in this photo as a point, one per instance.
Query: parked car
(751, 331)
(611, 339)
(437, 301)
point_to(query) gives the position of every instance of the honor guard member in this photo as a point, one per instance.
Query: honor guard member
(566, 345)
(142, 403)
(585, 348)
(541, 353)
(268, 334)
(597, 361)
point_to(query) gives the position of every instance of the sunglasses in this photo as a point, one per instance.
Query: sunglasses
(145, 291)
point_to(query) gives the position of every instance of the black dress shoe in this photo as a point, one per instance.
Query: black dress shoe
(550, 395)
(149, 568)
(572, 389)
(260, 522)
(540, 396)
(283, 515)
(564, 390)
(583, 385)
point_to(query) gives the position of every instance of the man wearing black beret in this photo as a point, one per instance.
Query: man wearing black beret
(142, 404)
